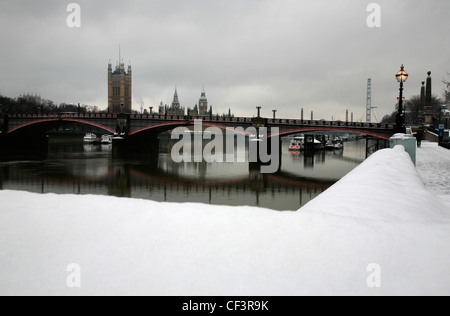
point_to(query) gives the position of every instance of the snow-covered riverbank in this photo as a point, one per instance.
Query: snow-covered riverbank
(433, 165)
(380, 213)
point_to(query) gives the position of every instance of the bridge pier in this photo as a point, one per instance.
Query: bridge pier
(257, 148)
(3, 128)
(3, 123)
(309, 144)
(256, 144)
(132, 145)
(122, 124)
(125, 144)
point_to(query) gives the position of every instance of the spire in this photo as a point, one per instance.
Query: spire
(176, 102)
(203, 95)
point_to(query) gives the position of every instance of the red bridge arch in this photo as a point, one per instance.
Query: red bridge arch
(55, 120)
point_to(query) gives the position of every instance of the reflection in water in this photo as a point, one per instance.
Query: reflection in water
(74, 168)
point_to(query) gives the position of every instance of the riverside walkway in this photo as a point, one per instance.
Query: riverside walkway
(433, 165)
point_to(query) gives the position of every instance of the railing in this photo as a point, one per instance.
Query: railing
(192, 118)
(63, 115)
(223, 119)
(331, 123)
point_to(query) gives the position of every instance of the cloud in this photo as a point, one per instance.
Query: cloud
(283, 54)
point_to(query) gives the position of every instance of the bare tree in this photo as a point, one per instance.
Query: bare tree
(414, 109)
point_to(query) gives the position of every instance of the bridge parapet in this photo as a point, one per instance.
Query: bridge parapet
(21, 122)
(137, 123)
(61, 115)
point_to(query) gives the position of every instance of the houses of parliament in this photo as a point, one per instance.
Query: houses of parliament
(120, 96)
(200, 109)
(119, 89)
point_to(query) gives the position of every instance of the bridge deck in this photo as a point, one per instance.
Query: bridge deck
(139, 123)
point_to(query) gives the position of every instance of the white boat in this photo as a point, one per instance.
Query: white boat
(118, 137)
(329, 145)
(90, 138)
(253, 138)
(318, 144)
(107, 139)
(296, 144)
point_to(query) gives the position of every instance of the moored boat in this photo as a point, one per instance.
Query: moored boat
(90, 138)
(296, 144)
(333, 145)
(107, 139)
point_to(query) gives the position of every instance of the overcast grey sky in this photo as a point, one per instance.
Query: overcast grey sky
(278, 54)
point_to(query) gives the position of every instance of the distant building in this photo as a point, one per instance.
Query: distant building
(29, 98)
(202, 108)
(119, 89)
(203, 105)
(229, 114)
(175, 108)
(161, 109)
(194, 111)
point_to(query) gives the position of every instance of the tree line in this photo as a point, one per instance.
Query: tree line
(414, 111)
(27, 105)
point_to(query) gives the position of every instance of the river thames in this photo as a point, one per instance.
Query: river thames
(70, 167)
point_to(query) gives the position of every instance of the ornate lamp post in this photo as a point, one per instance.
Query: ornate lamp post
(401, 76)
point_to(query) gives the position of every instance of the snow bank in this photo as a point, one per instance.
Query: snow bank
(380, 213)
(386, 187)
(401, 136)
(433, 165)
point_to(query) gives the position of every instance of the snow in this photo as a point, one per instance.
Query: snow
(401, 136)
(380, 213)
(433, 165)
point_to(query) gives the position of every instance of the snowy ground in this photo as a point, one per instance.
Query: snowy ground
(433, 165)
(380, 213)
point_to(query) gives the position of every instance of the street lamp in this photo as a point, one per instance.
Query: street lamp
(401, 76)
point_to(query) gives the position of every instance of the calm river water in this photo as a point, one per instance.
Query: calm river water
(70, 167)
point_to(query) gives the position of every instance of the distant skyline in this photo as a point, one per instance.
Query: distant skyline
(278, 54)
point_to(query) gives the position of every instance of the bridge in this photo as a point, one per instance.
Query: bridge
(20, 129)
